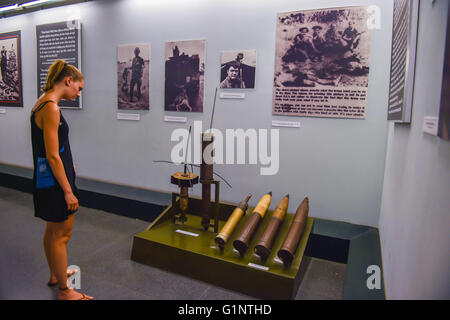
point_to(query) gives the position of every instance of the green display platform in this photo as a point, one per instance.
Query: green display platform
(187, 249)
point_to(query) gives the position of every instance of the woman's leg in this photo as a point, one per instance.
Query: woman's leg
(47, 247)
(47, 243)
(56, 238)
(57, 235)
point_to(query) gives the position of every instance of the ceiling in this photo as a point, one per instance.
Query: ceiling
(6, 3)
(22, 10)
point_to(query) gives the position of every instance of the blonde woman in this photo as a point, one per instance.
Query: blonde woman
(54, 190)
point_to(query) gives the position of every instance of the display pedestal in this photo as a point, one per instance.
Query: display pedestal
(189, 250)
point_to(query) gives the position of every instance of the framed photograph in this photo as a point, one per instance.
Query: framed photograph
(322, 63)
(237, 69)
(133, 77)
(185, 73)
(11, 94)
(61, 40)
(403, 59)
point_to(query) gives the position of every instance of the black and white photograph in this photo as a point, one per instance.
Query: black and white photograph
(185, 72)
(59, 40)
(237, 69)
(403, 60)
(133, 76)
(11, 94)
(322, 63)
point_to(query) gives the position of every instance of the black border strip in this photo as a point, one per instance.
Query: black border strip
(327, 248)
(125, 207)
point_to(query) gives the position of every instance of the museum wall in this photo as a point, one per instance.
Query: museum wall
(337, 163)
(414, 218)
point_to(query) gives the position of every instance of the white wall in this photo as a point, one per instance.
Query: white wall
(415, 212)
(337, 163)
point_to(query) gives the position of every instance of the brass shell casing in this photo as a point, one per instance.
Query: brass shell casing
(242, 241)
(289, 246)
(264, 246)
(229, 226)
(232, 221)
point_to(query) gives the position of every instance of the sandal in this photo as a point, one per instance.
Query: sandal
(83, 296)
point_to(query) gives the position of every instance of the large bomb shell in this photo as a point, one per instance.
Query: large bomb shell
(242, 241)
(232, 221)
(289, 246)
(264, 245)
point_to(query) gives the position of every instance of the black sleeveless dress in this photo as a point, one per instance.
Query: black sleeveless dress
(49, 202)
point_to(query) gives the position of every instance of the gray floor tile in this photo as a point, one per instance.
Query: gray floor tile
(108, 290)
(26, 289)
(217, 293)
(323, 280)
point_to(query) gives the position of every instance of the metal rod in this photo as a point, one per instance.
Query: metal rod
(214, 107)
(187, 148)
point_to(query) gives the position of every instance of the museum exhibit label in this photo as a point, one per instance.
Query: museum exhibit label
(403, 57)
(61, 40)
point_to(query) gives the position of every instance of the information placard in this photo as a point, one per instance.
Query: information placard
(430, 125)
(403, 57)
(175, 119)
(61, 40)
(289, 124)
(129, 116)
(232, 95)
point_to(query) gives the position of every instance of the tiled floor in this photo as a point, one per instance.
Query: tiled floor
(101, 246)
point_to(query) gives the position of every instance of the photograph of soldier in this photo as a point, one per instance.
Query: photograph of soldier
(238, 69)
(351, 36)
(137, 66)
(133, 75)
(184, 76)
(10, 70)
(321, 49)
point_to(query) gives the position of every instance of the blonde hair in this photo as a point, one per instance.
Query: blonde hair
(58, 71)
